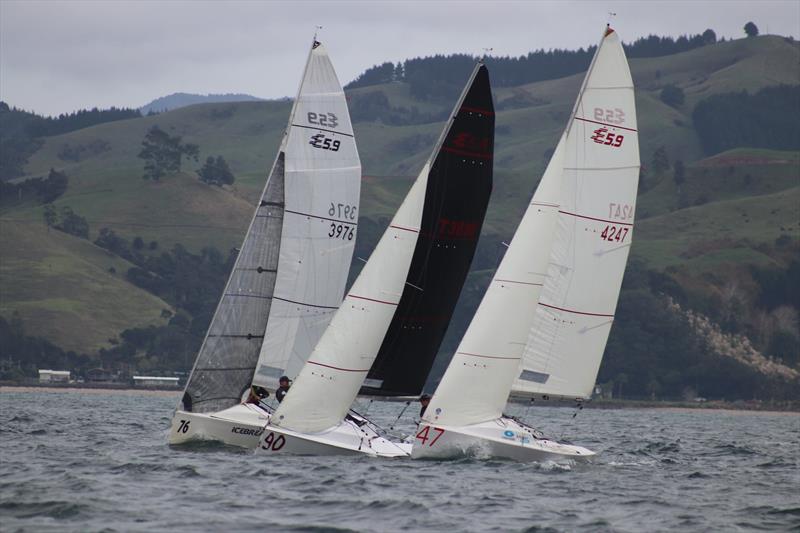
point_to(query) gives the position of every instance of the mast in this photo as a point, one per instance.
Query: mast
(415, 254)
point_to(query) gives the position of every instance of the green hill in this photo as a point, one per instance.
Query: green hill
(730, 210)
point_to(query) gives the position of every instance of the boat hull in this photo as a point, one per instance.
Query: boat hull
(346, 438)
(502, 438)
(241, 426)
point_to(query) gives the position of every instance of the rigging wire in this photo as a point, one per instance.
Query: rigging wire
(408, 402)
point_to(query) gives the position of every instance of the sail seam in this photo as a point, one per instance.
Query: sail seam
(575, 312)
(338, 368)
(597, 219)
(490, 356)
(520, 282)
(466, 153)
(371, 299)
(476, 110)
(404, 229)
(248, 296)
(322, 129)
(605, 124)
(322, 218)
(545, 204)
(305, 304)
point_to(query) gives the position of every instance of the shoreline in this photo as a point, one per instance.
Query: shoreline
(792, 407)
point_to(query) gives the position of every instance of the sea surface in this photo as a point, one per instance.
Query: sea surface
(98, 461)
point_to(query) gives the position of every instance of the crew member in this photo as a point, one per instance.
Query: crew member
(283, 389)
(424, 400)
(257, 394)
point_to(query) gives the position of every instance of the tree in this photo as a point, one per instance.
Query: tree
(679, 173)
(660, 161)
(672, 96)
(163, 153)
(751, 29)
(216, 172)
(50, 215)
(709, 37)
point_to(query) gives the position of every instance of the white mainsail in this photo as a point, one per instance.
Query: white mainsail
(593, 235)
(322, 186)
(475, 385)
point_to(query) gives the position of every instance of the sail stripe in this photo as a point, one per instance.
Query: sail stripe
(466, 153)
(597, 219)
(305, 304)
(605, 124)
(520, 282)
(574, 312)
(476, 110)
(545, 204)
(337, 368)
(404, 229)
(371, 299)
(351, 223)
(489, 356)
(322, 129)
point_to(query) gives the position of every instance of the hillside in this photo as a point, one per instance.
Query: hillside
(177, 100)
(726, 216)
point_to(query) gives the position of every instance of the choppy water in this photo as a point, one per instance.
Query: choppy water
(99, 461)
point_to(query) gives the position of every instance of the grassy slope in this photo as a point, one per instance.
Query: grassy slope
(107, 188)
(63, 290)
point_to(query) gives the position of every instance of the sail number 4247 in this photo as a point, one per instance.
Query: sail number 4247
(614, 233)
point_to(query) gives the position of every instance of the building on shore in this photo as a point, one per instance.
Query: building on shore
(155, 381)
(54, 376)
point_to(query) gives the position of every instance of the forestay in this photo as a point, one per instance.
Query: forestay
(594, 231)
(475, 386)
(323, 179)
(330, 380)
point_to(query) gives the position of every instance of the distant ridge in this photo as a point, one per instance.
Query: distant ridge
(176, 100)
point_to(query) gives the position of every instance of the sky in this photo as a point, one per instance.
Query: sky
(64, 55)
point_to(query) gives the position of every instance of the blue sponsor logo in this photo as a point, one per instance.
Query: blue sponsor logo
(508, 434)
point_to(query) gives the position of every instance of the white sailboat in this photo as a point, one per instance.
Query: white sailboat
(291, 272)
(426, 249)
(542, 327)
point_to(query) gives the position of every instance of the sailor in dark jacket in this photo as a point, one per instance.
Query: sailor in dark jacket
(283, 389)
(425, 399)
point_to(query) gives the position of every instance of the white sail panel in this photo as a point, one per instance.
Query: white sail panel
(593, 235)
(490, 351)
(329, 382)
(322, 185)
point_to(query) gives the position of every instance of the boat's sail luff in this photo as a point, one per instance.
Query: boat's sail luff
(593, 236)
(329, 381)
(490, 352)
(227, 358)
(458, 190)
(323, 178)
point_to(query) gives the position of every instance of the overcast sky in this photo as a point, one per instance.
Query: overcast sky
(59, 56)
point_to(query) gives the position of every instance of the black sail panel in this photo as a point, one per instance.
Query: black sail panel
(229, 354)
(457, 195)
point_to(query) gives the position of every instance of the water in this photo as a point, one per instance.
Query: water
(73, 461)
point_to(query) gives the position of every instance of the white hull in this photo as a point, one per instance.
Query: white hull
(346, 438)
(501, 438)
(241, 425)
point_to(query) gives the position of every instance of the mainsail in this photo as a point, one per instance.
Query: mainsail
(593, 235)
(456, 182)
(289, 255)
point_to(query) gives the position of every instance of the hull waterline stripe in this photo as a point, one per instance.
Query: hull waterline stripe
(305, 304)
(490, 356)
(597, 219)
(370, 299)
(520, 282)
(322, 129)
(348, 222)
(466, 153)
(405, 229)
(575, 312)
(605, 124)
(337, 368)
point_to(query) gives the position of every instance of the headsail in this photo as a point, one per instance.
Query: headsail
(593, 235)
(330, 380)
(319, 176)
(462, 169)
(323, 180)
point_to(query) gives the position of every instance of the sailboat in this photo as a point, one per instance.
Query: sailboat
(408, 287)
(291, 271)
(542, 326)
